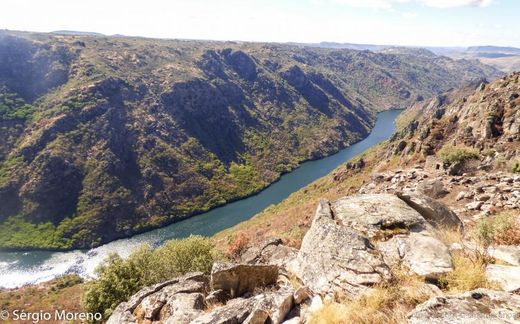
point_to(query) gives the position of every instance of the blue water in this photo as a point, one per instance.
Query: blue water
(18, 268)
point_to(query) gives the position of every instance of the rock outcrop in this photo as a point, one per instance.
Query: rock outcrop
(233, 293)
(478, 306)
(353, 242)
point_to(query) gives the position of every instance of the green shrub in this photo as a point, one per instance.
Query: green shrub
(119, 279)
(66, 281)
(13, 107)
(182, 256)
(500, 229)
(516, 166)
(454, 154)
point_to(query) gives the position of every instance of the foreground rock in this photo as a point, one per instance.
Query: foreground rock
(353, 242)
(162, 301)
(478, 306)
(506, 277)
(231, 294)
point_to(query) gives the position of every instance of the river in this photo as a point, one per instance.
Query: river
(19, 268)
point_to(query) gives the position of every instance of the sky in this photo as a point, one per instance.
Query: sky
(386, 22)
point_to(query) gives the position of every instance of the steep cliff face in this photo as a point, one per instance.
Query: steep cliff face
(105, 137)
(484, 116)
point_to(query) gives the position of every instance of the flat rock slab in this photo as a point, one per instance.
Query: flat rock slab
(475, 307)
(374, 213)
(507, 277)
(507, 253)
(432, 210)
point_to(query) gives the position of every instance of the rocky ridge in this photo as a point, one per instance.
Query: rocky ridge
(352, 245)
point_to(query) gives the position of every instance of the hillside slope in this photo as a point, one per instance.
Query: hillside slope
(106, 136)
(481, 121)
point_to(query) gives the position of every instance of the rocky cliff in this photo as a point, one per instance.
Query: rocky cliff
(103, 137)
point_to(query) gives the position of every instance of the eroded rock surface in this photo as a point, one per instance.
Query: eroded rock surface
(478, 306)
(233, 293)
(353, 242)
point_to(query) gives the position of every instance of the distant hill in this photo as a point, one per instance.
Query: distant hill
(75, 33)
(494, 49)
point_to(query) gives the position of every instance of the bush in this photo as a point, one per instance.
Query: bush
(516, 166)
(453, 154)
(118, 279)
(178, 257)
(500, 229)
(66, 281)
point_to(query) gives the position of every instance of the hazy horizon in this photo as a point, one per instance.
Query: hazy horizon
(416, 23)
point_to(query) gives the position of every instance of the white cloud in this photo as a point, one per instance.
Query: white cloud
(456, 3)
(375, 4)
(388, 4)
(409, 15)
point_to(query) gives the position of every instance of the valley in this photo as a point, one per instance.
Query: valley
(260, 162)
(107, 137)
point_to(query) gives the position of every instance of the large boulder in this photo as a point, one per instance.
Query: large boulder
(474, 307)
(335, 257)
(354, 241)
(435, 212)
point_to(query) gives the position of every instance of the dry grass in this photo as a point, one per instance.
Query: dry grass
(469, 272)
(238, 245)
(58, 294)
(448, 236)
(468, 264)
(389, 302)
